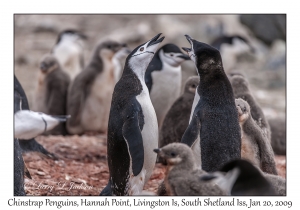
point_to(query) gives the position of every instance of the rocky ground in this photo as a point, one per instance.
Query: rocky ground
(81, 168)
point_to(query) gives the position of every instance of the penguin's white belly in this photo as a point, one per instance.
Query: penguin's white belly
(195, 102)
(165, 90)
(150, 142)
(196, 148)
(69, 58)
(95, 112)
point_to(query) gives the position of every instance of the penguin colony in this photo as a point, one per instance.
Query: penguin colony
(214, 139)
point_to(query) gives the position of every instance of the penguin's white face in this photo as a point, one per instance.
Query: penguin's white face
(173, 59)
(237, 47)
(142, 55)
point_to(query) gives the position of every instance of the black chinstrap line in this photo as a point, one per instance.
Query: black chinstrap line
(143, 53)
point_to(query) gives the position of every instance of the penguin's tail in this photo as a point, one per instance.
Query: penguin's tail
(107, 190)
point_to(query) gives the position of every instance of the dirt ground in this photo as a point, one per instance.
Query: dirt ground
(81, 168)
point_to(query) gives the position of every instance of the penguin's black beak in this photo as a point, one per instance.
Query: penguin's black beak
(190, 40)
(184, 56)
(155, 40)
(156, 150)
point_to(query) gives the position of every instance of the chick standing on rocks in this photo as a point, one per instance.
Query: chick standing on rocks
(255, 146)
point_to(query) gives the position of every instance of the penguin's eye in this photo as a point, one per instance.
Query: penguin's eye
(142, 48)
(173, 154)
(193, 86)
(109, 46)
(171, 55)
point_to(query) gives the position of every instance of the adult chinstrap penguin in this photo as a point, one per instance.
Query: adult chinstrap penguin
(132, 127)
(69, 51)
(213, 132)
(90, 93)
(163, 78)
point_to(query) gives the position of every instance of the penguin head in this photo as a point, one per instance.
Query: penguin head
(108, 49)
(48, 64)
(191, 84)
(176, 154)
(205, 57)
(172, 55)
(70, 35)
(139, 59)
(243, 109)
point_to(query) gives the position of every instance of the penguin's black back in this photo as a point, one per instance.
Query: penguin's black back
(124, 105)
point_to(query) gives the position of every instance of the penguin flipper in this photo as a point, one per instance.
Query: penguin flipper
(107, 190)
(133, 137)
(192, 132)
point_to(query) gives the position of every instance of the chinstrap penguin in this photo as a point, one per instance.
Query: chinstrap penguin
(241, 90)
(177, 118)
(163, 79)
(21, 103)
(184, 178)
(51, 91)
(213, 133)
(132, 127)
(90, 94)
(256, 147)
(69, 51)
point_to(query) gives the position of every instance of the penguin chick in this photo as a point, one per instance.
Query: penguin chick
(177, 118)
(278, 135)
(29, 124)
(91, 91)
(117, 59)
(182, 176)
(132, 127)
(163, 79)
(255, 146)
(230, 48)
(51, 91)
(241, 90)
(69, 51)
(250, 181)
(213, 132)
